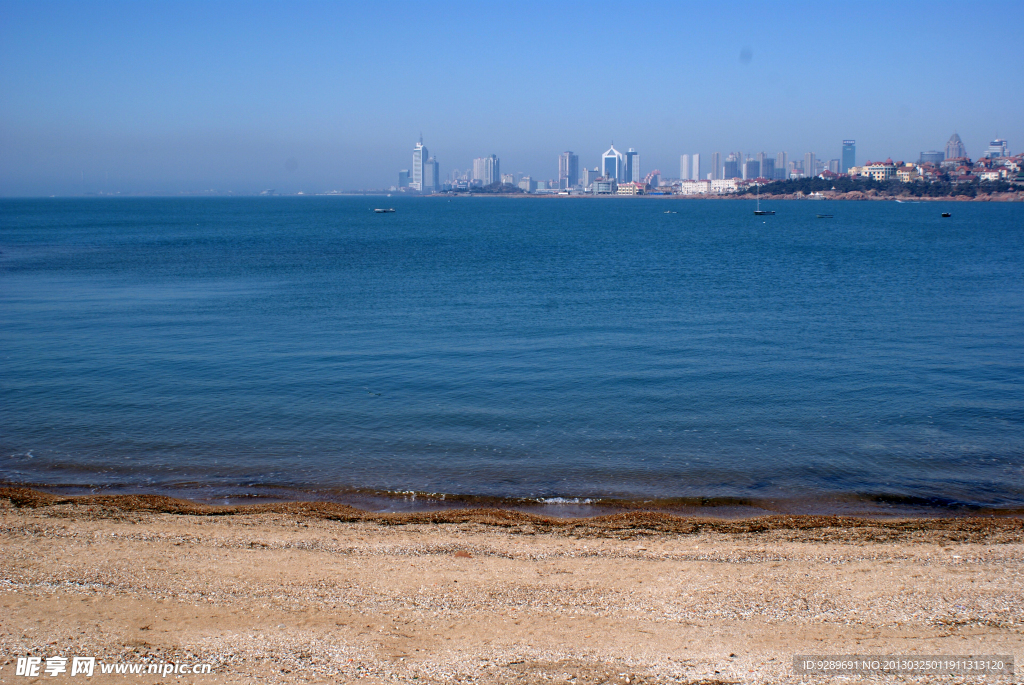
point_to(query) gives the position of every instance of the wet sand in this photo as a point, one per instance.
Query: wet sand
(318, 592)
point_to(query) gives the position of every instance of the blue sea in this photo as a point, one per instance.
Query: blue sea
(563, 352)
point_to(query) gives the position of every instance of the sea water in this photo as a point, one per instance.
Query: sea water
(534, 348)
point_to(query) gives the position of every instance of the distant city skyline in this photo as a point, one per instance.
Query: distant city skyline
(620, 168)
(235, 97)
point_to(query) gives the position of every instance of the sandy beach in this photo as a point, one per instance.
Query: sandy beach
(326, 593)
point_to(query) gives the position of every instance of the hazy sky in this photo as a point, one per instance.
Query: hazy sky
(165, 97)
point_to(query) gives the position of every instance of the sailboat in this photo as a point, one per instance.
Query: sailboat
(759, 211)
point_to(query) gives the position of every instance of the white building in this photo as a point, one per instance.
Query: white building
(486, 170)
(613, 165)
(684, 167)
(725, 185)
(998, 148)
(695, 187)
(419, 158)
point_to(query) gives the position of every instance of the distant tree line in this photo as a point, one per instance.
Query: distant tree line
(938, 188)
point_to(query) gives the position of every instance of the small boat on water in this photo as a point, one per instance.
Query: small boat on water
(946, 214)
(759, 211)
(670, 212)
(825, 216)
(383, 211)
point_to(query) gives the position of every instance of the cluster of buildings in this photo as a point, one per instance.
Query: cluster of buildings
(619, 173)
(953, 164)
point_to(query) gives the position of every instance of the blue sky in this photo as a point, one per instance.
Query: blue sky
(239, 96)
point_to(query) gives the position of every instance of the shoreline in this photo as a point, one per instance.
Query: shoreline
(859, 505)
(854, 196)
(29, 499)
(304, 593)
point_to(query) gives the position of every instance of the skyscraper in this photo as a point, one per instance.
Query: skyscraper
(632, 170)
(781, 165)
(613, 164)
(684, 167)
(997, 148)
(696, 168)
(568, 170)
(849, 156)
(419, 157)
(732, 167)
(403, 178)
(955, 148)
(486, 170)
(810, 165)
(716, 166)
(762, 165)
(751, 169)
(431, 182)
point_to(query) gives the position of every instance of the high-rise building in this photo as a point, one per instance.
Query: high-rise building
(781, 165)
(613, 164)
(403, 178)
(486, 170)
(833, 166)
(568, 170)
(684, 167)
(419, 157)
(849, 156)
(955, 148)
(731, 168)
(589, 175)
(767, 166)
(810, 165)
(997, 148)
(431, 179)
(632, 169)
(751, 169)
(695, 174)
(716, 166)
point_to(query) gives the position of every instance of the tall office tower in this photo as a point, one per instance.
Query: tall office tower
(632, 169)
(731, 169)
(568, 170)
(431, 182)
(716, 166)
(403, 178)
(833, 165)
(849, 157)
(486, 170)
(684, 167)
(696, 167)
(955, 147)
(809, 165)
(751, 169)
(589, 175)
(997, 148)
(613, 164)
(781, 165)
(762, 165)
(419, 156)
